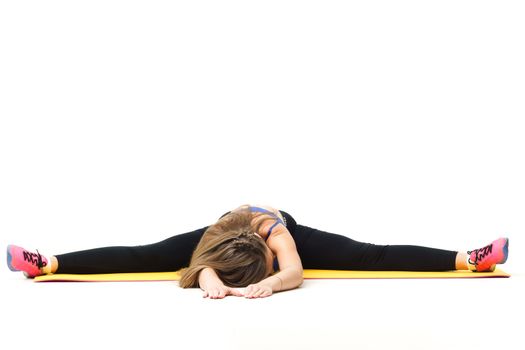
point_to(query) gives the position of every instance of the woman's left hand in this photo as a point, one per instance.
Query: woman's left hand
(257, 291)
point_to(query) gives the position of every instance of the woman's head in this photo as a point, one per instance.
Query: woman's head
(232, 248)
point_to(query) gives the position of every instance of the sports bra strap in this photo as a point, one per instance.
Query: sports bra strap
(262, 210)
(271, 228)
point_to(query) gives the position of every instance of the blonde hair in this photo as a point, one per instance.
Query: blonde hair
(231, 248)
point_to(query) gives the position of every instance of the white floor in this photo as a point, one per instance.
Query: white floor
(332, 314)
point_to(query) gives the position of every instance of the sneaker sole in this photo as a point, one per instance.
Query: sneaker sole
(10, 259)
(505, 251)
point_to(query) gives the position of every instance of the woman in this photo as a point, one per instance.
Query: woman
(260, 248)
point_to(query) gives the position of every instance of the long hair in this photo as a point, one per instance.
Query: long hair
(231, 248)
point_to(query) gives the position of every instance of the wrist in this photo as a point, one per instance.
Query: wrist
(280, 281)
(275, 283)
(208, 277)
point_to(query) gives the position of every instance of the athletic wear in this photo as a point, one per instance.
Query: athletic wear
(277, 219)
(20, 259)
(317, 249)
(168, 255)
(266, 211)
(486, 258)
(277, 222)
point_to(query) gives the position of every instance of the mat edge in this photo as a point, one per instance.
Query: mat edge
(450, 274)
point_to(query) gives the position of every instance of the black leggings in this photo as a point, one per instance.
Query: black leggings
(317, 249)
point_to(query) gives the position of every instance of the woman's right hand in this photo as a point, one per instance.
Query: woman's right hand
(219, 291)
(213, 287)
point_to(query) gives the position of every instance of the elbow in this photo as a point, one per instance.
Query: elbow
(300, 278)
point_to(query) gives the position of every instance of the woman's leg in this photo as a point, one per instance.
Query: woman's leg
(323, 250)
(168, 255)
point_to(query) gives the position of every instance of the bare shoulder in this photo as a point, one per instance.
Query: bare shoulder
(267, 221)
(280, 235)
(282, 244)
(271, 209)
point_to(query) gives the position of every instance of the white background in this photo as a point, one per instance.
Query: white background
(392, 122)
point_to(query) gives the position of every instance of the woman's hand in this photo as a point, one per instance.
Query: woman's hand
(213, 287)
(219, 291)
(257, 290)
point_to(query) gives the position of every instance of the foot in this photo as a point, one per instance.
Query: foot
(19, 259)
(486, 258)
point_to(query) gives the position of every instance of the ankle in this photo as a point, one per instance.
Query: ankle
(462, 261)
(52, 265)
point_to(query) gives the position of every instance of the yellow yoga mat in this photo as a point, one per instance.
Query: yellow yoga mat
(308, 274)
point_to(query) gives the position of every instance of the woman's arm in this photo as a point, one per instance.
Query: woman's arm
(286, 279)
(290, 275)
(212, 285)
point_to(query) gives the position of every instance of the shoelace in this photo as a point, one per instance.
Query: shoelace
(480, 254)
(28, 256)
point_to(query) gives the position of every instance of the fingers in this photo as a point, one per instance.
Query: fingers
(255, 291)
(265, 293)
(215, 293)
(235, 292)
(251, 292)
(221, 292)
(256, 294)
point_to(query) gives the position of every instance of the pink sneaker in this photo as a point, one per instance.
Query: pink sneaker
(486, 258)
(19, 259)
